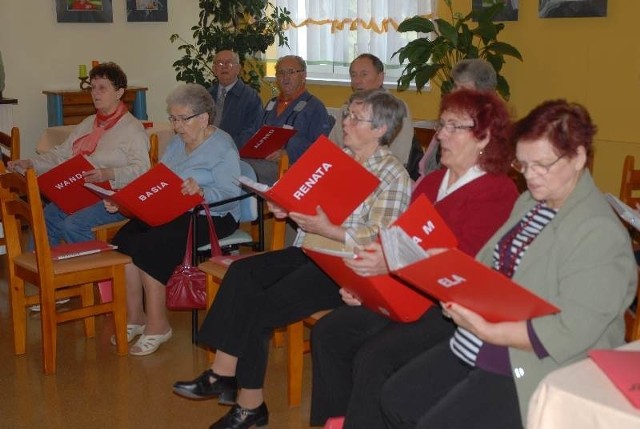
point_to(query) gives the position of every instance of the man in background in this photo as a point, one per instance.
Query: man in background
(367, 72)
(238, 106)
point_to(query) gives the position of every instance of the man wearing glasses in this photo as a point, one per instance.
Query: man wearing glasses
(367, 72)
(293, 108)
(238, 106)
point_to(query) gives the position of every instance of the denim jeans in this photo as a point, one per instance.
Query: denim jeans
(76, 227)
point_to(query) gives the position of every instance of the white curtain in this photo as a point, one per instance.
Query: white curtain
(331, 33)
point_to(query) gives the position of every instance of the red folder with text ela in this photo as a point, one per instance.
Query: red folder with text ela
(623, 369)
(63, 185)
(452, 275)
(385, 294)
(265, 141)
(155, 197)
(324, 176)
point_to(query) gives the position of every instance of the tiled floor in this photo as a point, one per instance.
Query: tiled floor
(94, 388)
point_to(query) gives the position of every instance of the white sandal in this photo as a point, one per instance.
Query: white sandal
(148, 344)
(132, 332)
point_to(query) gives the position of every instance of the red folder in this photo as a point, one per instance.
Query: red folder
(385, 294)
(623, 369)
(63, 185)
(155, 197)
(265, 141)
(324, 176)
(72, 250)
(455, 276)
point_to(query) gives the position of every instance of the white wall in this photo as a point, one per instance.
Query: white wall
(40, 54)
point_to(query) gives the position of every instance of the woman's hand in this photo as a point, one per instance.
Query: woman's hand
(349, 299)
(110, 206)
(318, 224)
(277, 211)
(191, 187)
(98, 175)
(369, 261)
(508, 334)
(20, 165)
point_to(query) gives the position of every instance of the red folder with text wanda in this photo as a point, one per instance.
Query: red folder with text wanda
(265, 141)
(155, 197)
(72, 250)
(324, 176)
(383, 293)
(623, 369)
(63, 185)
(454, 276)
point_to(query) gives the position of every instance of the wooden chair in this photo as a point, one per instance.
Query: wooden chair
(10, 151)
(107, 231)
(630, 182)
(55, 280)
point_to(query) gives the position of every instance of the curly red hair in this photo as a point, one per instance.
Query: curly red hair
(491, 118)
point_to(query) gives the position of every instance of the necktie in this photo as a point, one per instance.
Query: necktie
(220, 107)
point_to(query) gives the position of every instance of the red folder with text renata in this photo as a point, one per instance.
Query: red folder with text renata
(623, 369)
(385, 294)
(155, 197)
(324, 176)
(454, 276)
(265, 141)
(63, 185)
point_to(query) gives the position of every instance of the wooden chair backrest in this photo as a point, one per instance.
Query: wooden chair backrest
(630, 182)
(279, 226)
(10, 145)
(153, 149)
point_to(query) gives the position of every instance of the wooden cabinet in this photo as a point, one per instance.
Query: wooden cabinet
(70, 107)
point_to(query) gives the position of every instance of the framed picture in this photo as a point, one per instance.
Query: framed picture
(84, 10)
(147, 11)
(572, 8)
(509, 13)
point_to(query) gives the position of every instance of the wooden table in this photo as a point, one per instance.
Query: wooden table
(581, 396)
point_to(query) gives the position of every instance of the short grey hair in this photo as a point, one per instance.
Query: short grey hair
(385, 110)
(302, 63)
(478, 71)
(196, 97)
(236, 57)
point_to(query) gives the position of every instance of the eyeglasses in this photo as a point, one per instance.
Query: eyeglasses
(352, 117)
(536, 167)
(452, 128)
(287, 73)
(225, 63)
(182, 119)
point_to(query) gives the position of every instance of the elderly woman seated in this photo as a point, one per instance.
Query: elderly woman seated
(207, 159)
(562, 242)
(276, 288)
(113, 140)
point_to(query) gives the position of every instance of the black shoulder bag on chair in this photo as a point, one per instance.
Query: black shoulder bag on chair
(186, 288)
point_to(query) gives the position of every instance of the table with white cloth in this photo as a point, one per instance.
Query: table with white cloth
(54, 136)
(581, 396)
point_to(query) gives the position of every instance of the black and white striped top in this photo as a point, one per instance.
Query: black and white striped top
(506, 259)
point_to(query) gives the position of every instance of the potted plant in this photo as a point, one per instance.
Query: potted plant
(245, 27)
(431, 59)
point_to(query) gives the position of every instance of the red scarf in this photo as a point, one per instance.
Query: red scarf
(87, 144)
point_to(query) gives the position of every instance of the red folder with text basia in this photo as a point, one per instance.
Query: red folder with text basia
(155, 197)
(324, 176)
(73, 250)
(265, 141)
(383, 293)
(63, 185)
(623, 369)
(454, 276)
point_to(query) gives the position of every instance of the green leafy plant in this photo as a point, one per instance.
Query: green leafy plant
(432, 59)
(245, 27)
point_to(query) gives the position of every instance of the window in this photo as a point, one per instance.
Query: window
(329, 34)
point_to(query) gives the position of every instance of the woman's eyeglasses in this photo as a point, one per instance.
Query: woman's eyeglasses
(353, 118)
(536, 167)
(182, 119)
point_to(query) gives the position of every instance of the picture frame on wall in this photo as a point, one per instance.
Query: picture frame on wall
(147, 11)
(90, 11)
(509, 13)
(572, 8)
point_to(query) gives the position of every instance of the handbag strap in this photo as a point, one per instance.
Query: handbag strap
(213, 237)
(188, 253)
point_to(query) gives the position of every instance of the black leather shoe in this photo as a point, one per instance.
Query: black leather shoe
(243, 418)
(224, 388)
